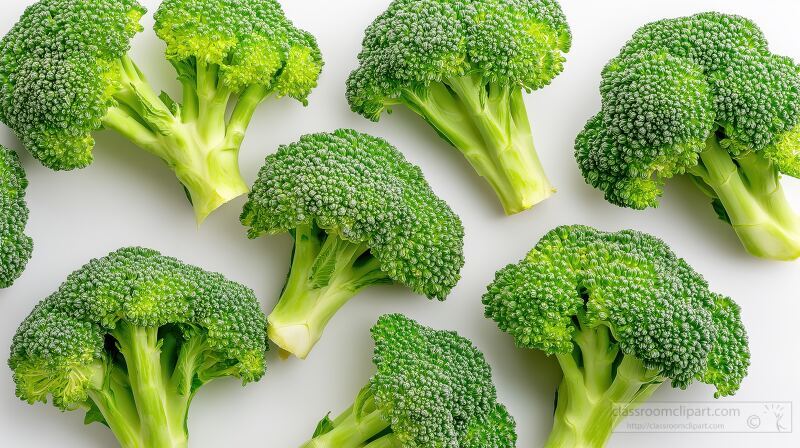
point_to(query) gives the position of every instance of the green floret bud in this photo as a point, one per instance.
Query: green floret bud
(431, 388)
(130, 338)
(703, 96)
(15, 246)
(65, 74)
(462, 66)
(621, 314)
(360, 215)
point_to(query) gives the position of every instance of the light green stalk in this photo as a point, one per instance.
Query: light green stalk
(196, 140)
(490, 126)
(327, 271)
(354, 427)
(749, 190)
(593, 396)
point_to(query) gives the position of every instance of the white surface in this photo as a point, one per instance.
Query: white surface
(128, 198)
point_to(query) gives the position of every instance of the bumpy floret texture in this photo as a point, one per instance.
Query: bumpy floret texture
(64, 336)
(429, 384)
(251, 40)
(58, 71)
(676, 83)
(497, 430)
(658, 308)
(15, 246)
(364, 190)
(417, 42)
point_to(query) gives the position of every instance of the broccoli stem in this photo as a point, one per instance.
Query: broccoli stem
(327, 271)
(489, 124)
(594, 395)
(387, 441)
(161, 410)
(359, 424)
(749, 190)
(196, 140)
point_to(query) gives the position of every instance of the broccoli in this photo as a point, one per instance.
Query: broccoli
(431, 389)
(622, 315)
(65, 73)
(131, 337)
(360, 215)
(15, 246)
(701, 96)
(462, 65)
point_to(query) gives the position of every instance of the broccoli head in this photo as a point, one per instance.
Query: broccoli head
(65, 73)
(431, 389)
(130, 337)
(701, 96)
(462, 66)
(15, 246)
(360, 215)
(622, 315)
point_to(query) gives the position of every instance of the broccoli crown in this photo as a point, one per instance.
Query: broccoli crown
(674, 84)
(434, 387)
(363, 189)
(417, 42)
(15, 246)
(65, 335)
(252, 41)
(496, 430)
(58, 72)
(657, 307)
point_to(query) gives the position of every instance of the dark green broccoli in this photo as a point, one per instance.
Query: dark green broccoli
(622, 315)
(65, 73)
(431, 389)
(462, 65)
(701, 96)
(130, 337)
(360, 215)
(15, 246)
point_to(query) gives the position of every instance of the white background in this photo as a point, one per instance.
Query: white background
(128, 197)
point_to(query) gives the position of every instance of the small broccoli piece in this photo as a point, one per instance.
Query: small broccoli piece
(360, 215)
(701, 96)
(431, 389)
(130, 338)
(622, 315)
(65, 74)
(15, 246)
(462, 66)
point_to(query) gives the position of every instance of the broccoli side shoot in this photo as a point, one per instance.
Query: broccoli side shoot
(701, 96)
(622, 315)
(130, 337)
(65, 73)
(15, 245)
(431, 389)
(360, 215)
(462, 66)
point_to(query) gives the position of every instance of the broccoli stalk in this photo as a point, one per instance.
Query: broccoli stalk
(595, 393)
(196, 140)
(463, 67)
(360, 215)
(326, 272)
(131, 338)
(488, 123)
(431, 388)
(748, 195)
(622, 315)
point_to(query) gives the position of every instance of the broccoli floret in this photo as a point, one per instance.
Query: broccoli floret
(15, 246)
(130, 338)
(462, 65)
(65, 73)
(431, 389)
(622, 315)
(360, 215)
(701, 96)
